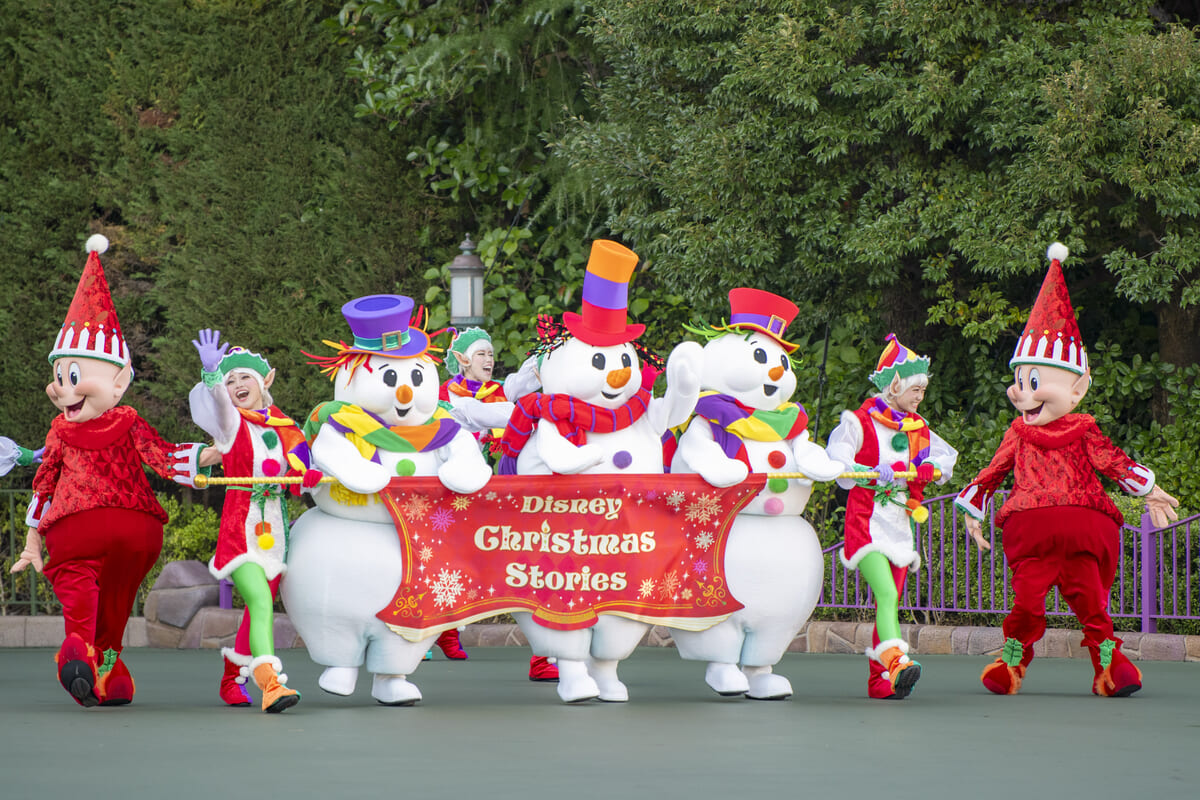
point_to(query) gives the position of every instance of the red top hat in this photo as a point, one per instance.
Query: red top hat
(604, 321)
(91, 329)
(756, 310)
(1052, 335)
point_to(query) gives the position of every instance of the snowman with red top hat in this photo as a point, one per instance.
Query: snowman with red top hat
(1060, 527)
(344, 557)
(745, 422)
(596, 415)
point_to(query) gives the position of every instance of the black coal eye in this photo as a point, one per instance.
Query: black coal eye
(760, 355)
(626, 361)
(598, 361)
(418, 377)
(390, 377)
(783, 361)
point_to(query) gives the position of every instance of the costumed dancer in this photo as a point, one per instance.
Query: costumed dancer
(92, 505)
(483, 406)
(887, 435)
(1060, 527)
(233, 404)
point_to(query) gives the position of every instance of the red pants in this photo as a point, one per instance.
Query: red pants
(98, 559)
(1073, 548)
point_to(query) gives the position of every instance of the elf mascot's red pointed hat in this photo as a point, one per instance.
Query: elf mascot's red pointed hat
(1051, 336)
(91, 329)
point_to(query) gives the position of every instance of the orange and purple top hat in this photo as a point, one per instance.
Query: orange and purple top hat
(604, 320)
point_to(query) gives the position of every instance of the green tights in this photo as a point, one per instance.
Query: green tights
(877, 571)
(252, 584)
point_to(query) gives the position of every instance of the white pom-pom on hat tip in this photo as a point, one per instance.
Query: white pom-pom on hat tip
(1057, 252)
(97, 242)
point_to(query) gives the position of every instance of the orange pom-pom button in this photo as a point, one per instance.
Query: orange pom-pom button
(262, 529)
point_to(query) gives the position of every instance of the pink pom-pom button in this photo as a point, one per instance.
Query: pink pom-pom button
(270, 468)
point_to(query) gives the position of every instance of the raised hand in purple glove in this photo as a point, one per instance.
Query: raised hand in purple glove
(211, 349)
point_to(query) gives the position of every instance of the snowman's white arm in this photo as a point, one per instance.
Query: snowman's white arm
(702, 454)
(476, 416)
(559, 454)
(334, 455)
(463, 468)
(844, 443)
(524, 381)
(683, 388)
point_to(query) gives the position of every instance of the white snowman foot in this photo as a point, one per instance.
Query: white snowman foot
(726, 679)
(394, 690)
(766, 685)
(574, 683)
(605, 675)
(339, 680)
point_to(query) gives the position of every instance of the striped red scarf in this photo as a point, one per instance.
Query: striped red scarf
(573, 417)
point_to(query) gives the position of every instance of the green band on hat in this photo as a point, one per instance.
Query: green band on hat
(240, 358)
(883, 378)
(389, 341)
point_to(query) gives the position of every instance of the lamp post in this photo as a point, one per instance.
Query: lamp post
(466, 286)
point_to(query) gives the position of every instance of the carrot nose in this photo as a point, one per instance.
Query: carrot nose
(404, 394)
(775, 372)
(619, 377)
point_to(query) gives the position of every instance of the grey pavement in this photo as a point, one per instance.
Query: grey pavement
(484, 731)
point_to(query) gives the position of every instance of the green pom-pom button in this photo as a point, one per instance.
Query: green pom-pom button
(900, 443)
(777, 485)
(406, 467)
(270, 438)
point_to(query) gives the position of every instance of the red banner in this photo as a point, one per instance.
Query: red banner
(564, 547)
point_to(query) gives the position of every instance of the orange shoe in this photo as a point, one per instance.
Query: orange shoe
(899, 670)
(1005, 674)
(276, 696)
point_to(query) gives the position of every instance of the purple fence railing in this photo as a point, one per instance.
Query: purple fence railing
(1156, 574)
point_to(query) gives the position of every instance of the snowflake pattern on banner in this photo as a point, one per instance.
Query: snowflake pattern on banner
(461, 502)
(441, 520)
(675, 499)
(426, 554)
(703, 508)
(704, 539)
(417, 506)
(447, 587)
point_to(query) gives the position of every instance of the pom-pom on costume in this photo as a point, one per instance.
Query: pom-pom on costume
(886, 435)
(92, 504)
(1060, 527)
(232, 404)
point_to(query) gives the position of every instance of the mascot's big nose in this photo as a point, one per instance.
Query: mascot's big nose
(775, 373)
(404, 394)
(619, 377)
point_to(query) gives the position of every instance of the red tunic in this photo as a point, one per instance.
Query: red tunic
(1055, 465)
(98, 464)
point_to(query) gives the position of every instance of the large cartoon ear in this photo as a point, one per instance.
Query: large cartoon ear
(267, 381)
(1080, 388)
(121, 381)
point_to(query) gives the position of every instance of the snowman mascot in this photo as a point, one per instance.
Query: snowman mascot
(344, 559)
(744, 422)
(596, 416)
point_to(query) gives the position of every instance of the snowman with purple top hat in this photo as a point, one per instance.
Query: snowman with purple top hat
(595, 388)
(745, 422)
(344, 558)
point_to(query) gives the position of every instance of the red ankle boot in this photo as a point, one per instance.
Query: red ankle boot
(1005, 674)
(233, 682)
(450, 645)
(76, 661)
(115, 686)
(1116, 676)
(542, 670)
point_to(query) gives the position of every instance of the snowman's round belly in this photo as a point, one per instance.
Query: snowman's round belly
(781, 496)
(633, 450)
(772, 561)
(338, 501)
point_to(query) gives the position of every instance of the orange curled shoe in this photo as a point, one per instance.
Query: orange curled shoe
(276, 696)
(1004, 675)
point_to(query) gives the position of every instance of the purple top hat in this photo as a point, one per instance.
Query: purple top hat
(382, 326)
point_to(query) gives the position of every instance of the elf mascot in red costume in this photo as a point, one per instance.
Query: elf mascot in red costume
(1060, 528)
(92, 505)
